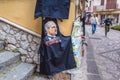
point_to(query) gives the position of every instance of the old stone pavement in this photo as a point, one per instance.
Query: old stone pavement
(103, 54)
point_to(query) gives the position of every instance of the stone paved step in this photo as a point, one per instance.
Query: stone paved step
(8, 58)
(21, 72)
(10, 68)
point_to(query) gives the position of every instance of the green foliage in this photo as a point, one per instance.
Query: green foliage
(15, 51)
(2, 51)
(116, 27)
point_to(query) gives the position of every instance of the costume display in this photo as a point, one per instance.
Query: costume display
(77, 46)
(56, 53)
(52, 8)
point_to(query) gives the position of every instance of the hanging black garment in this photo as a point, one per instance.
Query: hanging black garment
(56, 52)
(52, 8)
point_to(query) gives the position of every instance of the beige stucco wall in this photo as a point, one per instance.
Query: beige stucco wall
(21, 12)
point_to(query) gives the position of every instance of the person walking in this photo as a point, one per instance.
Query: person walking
(108, 23)
(93, 23)
(83, 23)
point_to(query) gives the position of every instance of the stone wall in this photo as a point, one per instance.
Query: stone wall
(27, 44)
(18, 40)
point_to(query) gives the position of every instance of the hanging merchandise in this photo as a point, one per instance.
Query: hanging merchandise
(52, 9)
(56, 52)
(77, 34)
(77, 46)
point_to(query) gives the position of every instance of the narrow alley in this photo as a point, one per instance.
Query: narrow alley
(103, 54)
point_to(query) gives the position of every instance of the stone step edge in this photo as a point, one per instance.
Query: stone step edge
(10, 68)
(21, 72)
(15, 57)
(5, 53)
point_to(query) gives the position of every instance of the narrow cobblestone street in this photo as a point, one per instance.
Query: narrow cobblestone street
(103, 62)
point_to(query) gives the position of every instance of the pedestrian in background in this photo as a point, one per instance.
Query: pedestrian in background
(108, 23)
(93, 22)
(83, 18)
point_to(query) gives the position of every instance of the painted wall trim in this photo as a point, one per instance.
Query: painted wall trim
(20, 27)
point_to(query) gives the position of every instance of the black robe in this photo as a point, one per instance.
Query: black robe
(52, 8)
(56, 54)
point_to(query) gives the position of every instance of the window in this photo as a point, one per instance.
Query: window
(111, 4)
(102, 2)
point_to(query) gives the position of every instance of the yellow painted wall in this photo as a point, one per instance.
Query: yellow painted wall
(66, 25)
(21, 12)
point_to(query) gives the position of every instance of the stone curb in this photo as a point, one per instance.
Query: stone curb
(92, 69)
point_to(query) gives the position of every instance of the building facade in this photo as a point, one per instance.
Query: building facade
(89, 6)
(104, 8)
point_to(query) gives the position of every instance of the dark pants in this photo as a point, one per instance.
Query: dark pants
(107, 29)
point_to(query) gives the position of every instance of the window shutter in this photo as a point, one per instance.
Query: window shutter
(111, 4)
